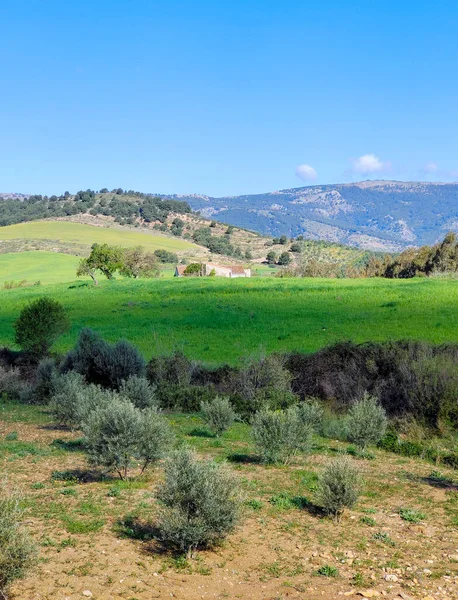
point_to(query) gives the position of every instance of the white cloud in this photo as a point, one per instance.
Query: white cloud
(306, 173)
(430, 168)
(368, 164)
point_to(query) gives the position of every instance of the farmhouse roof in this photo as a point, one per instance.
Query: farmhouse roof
(238, 270)
(181, 269)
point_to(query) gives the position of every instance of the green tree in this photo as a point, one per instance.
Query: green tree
(284, 259)
(138, 263)
(39, 325)
(84, 269)
(164, 256)
(105, 258)
(271, 257)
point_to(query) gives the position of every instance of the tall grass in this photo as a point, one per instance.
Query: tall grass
(218, 320)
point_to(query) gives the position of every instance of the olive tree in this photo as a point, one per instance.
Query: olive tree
(218, 414)
(366, 422)
(200, 502)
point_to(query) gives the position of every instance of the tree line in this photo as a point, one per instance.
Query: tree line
(125, 206)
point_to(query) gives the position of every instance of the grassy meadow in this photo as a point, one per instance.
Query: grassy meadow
(69, 233)
(219, 320)
(46, 267)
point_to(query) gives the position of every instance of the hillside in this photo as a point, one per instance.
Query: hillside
(133, 219)
(70, 224)
(376, 215)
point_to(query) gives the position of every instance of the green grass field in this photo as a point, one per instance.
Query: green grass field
(68, 232)
(219, 320)
(46, 267)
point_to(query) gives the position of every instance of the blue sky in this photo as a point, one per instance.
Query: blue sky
(224, 97)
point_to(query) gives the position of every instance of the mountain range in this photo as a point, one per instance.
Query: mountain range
(375, 215)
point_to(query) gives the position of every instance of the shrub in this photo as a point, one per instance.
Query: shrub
(103, 363)
(17, 553)
(66, 401)
(311, 411)
(176, 369)
(184, 398)
(334, 427)
(411, 515)
(12, 383)
(112, 435)
(139, 392)
(338, 486)
(73, 400)
(194, 269)
(39, 325)
(46, 377)
(82, 358)
(409, 377)
(218, 414)
(366, 422)
(156, 438)
(328, 571)
(284, 259)
(264, 399)
(200, 502)
(266, 373)
(280, 435)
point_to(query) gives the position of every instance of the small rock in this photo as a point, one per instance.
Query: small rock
(87, 593)
(369, 593)
(390, 577)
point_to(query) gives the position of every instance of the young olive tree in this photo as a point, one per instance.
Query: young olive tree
(139, 391)
(73, 400)
(366, 422)
(112, 435)
(338, 486)
(156, 438)
(280, 435)
(119, 434)
(200, 502)
(310, 411)
(218, 414)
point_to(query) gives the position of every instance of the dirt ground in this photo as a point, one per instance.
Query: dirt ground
(275, 553)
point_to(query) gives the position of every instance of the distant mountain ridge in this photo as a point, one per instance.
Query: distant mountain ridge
(376, 215)
(371, 215)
